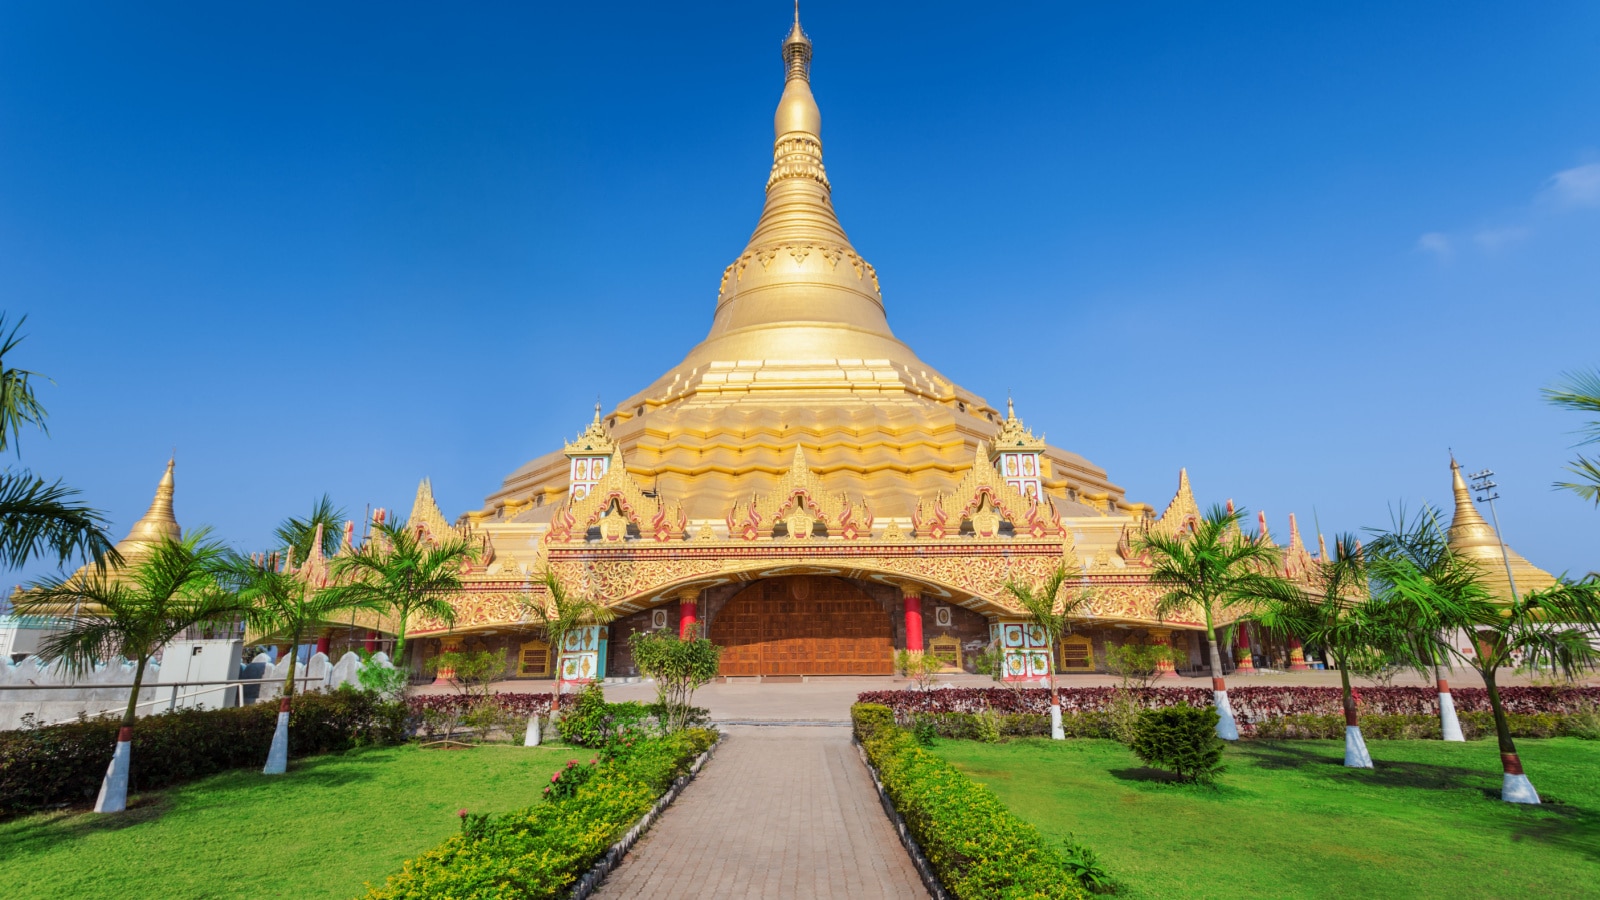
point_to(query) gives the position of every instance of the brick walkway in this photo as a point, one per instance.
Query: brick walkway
(777, 812)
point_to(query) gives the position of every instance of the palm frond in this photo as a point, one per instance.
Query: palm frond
(1588, 485)
(39, 518)
(1579, 391)
(298, 534)
(18, 405)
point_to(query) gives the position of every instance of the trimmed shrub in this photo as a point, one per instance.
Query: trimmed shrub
(1181, 739)
(62, 765)
(592, 722)
(976, 846)
(539, 851)
(521, 705)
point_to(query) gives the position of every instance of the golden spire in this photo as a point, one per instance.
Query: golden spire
(1473, 538)
(157, 523)
(799, 290)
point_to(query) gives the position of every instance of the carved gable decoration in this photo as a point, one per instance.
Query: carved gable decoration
(801, 503)
(985, 500)
(1182, 514)
(1297, 560)
(425, 514)
(614, 504)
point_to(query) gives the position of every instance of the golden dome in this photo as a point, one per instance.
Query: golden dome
(799, 352)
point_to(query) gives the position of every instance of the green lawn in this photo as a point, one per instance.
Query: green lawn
(1287, 820)
(331, 824)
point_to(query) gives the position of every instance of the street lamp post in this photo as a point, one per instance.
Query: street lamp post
(1485, 489)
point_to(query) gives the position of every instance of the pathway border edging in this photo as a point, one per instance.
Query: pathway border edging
(613, 857)
(924, 868)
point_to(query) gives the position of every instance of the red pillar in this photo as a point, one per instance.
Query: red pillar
(913, 601)
(323, 642)
(688, 611)
(372, 642)
(1247, 663)
(1162, 637)
(445, 673)
(1297, 656)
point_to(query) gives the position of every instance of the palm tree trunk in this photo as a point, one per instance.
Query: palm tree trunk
(1055, 707)
(114, 788)
(278, 754)
(1227, 728)
(1449, 725)
(1355, 747)
(1514, 786)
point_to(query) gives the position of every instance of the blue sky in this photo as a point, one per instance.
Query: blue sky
(1301, 249)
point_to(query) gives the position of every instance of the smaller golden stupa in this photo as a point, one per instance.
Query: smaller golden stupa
(1505, 573)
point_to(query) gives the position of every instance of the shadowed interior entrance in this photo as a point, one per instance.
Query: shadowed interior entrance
(804, 625)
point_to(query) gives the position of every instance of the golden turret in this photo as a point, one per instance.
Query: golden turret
(1473, 538)
(157, 524)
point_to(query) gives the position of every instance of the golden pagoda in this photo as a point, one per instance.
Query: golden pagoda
(803, 487)
(1475, 539)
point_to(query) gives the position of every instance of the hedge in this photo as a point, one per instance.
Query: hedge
(62, 765)
(976, 846)
(1474, 725)
(541, 850)
(515, 703)
(1251, 705)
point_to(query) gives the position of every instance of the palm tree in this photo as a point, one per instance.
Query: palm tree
(286, 603)
(1581, 391)
(1051, 614)
(321, 527)
(39, 518)
(1545, 628)
(559, 615)
(400, 572)
(1338, 613)
(132, 612)
(1212, 569)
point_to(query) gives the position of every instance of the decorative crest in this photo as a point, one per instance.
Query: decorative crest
(1182, 513)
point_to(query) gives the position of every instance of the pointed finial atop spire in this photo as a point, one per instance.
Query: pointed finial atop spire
(1011, 408)
(1468, 522)
(158, 522)
(597, 412)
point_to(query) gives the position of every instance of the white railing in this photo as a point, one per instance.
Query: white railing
(171, 701)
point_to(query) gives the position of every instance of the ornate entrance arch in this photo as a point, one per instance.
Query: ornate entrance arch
(804, 625)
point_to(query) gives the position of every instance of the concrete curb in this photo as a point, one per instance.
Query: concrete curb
(924, 868)
(592, 879)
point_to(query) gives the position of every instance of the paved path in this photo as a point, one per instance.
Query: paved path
(777, 812)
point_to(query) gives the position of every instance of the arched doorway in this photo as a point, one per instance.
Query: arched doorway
(804, 625)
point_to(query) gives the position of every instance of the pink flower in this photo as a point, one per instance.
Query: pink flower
(462, 813)
(555, 778)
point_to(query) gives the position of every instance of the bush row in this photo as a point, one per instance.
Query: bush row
(1381, 726)
(976, 846)
(61, 765)
(1250, 704)
(517, 704)
(541, 850)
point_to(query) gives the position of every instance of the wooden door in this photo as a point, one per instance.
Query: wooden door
(804, 625)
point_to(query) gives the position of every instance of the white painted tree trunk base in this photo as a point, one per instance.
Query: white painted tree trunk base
(531, 737)
(1449, 725)
(1227, 729)
(278, 756)
(114, 789)
(1055, 724)
(1518, 789)
(1355, 748)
